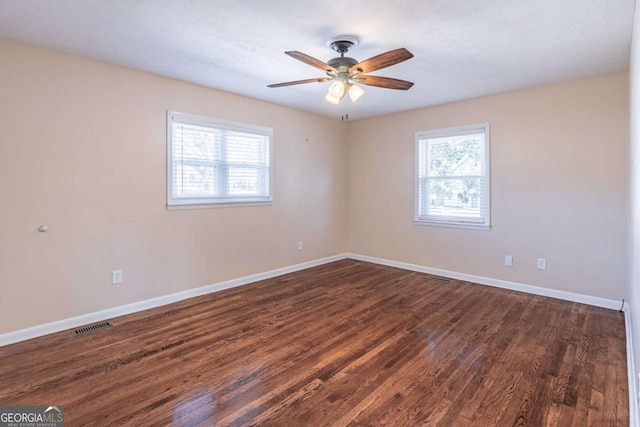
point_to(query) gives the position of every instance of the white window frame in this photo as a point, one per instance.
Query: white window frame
(209, 202)
(454, 222)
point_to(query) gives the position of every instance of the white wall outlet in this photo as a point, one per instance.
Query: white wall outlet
(508, 260)
(116, 277)
(542, 264)
(300, 245)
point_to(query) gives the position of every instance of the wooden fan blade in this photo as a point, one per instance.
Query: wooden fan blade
(385, 82)
(299, 82)
(311, 61)
(383, 60)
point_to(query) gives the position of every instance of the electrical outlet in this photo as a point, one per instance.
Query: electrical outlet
(508, 261)
(542, 264)
(116, 277)
(300, 245)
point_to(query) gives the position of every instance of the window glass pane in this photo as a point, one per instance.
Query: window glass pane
(245, 148)
(244, 181)
(195, 151)
(456, 156)
(455, 197)
(452, 179)
(195, 142)
(422, 158)
(218, 164)
(193, 179)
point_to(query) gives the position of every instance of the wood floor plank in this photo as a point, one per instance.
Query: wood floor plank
(344, 344)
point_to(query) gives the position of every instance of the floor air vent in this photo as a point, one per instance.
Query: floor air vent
(440, 279)
(91, 328)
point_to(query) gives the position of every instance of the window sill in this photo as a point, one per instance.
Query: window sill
(186, 206)
(466, 225)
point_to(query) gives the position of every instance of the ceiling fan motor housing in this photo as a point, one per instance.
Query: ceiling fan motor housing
(342, 44)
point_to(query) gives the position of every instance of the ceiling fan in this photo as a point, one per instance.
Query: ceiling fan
(347, 71)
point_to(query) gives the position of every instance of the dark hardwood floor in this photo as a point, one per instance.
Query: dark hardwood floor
(347, 343)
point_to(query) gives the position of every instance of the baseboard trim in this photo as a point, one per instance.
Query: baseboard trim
(514, 286)
(98, 316)
(631, 370)
(73, 322)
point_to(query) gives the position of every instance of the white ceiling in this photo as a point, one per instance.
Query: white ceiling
(463, 48)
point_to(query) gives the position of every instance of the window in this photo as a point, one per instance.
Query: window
(213, 162)
(452, 177)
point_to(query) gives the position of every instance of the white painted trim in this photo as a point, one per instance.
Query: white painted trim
(183, 207)
(467, 225)
(453, 222)
(109, 313)
(631, 370)
(61, 325)
(73, 322)
(536, 290)
(213, 123)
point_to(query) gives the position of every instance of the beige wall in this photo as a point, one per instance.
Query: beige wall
(82, 150)
(558, 182)
(633, 290)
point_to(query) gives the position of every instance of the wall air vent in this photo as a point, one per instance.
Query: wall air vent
(91, 328)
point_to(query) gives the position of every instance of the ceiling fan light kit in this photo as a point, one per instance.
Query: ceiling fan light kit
(336, 92)
(337, 89)
(355, 92)
(346, 72)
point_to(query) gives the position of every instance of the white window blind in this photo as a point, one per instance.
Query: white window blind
(452, 177)
(217, 162)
